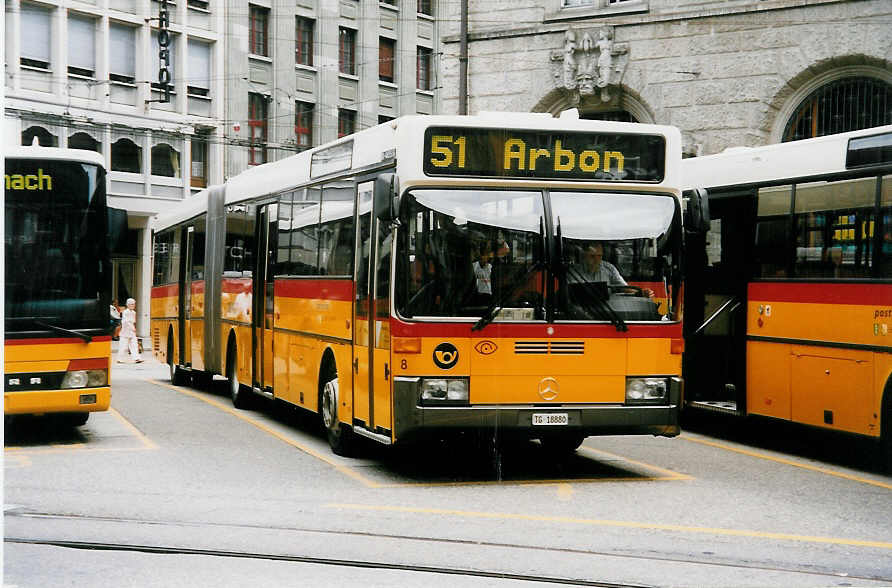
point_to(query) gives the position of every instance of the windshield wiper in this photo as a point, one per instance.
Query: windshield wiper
(84, 336)
(493, 309)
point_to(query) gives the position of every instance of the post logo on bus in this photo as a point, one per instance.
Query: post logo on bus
(543, 154)
(445, 356)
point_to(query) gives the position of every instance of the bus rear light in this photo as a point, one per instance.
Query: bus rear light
(676, 347)
(406, 344)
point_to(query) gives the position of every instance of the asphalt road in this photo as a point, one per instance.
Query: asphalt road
(174, 486)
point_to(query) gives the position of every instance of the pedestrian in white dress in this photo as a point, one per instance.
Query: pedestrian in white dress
(128, 334)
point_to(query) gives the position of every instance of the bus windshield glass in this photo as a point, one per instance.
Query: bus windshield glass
(56, 249)
(618, 255)
(465, 251)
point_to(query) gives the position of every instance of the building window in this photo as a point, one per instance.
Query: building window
(257, 115)
(36, 28)
(383, 118)
(389, 2)
(844, 105)
(43, 136)
(425, 7)
(156, 60)
(126, 156)
(346, 122)
(121, 53)
(303, 124)
(199, 68)
(575, 3)
(81, 46)
(199, 169)
(165, 161)
(423, 68)
(259, 30)
(347, 51)
(303, 41)
(84, 141)
(386, 52)
(199, 4)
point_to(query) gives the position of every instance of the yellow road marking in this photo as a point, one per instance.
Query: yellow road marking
(308, 450)
(620, 524)
(148, 443)
(789, 462)
(669, 474)
(63, 447)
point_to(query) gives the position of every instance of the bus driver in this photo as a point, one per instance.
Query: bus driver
(594, 269)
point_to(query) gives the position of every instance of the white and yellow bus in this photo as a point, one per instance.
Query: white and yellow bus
(57, 284)
(423, 277)
(790, 297)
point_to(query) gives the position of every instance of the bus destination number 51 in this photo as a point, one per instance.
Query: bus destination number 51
(444, 148)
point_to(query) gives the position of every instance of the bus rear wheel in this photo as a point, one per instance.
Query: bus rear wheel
(177, 374)
(240, 395)
(886, 431)
(340, 436)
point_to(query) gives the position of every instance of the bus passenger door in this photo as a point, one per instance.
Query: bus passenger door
(185, 326)
(263, 319)
(380, 361)
(715, 306)
(363, 401)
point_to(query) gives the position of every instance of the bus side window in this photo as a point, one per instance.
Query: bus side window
(336, 229)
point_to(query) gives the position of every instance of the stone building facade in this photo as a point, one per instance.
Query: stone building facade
(252, 81)
(730, 73)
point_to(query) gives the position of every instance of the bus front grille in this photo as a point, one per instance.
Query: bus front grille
(549, 347)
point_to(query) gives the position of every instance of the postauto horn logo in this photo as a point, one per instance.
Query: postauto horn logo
(445, 356)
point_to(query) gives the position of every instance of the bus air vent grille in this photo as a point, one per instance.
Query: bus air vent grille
(549, 347)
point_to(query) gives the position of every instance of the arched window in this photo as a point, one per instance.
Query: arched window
(84, 141)
(843, 105)
(165, 161)
(126, 156)
(44, 137)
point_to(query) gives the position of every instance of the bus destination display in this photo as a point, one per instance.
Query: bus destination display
(507, 153)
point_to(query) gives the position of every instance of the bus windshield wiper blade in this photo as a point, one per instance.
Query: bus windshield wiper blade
(600, 302)
(84, 336)
(490, 313)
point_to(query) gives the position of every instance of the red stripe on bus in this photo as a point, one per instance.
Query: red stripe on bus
(341, 290)
(237, 285)
(559, 331)
(166, 291)
(198, 287)
(821, 293)
(55, 340)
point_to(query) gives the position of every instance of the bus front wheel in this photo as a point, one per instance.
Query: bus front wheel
(886, 431)
(340, 436)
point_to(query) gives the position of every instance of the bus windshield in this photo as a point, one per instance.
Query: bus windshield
(617, 255)
(482, 253)
(56, 249)
(463, 251)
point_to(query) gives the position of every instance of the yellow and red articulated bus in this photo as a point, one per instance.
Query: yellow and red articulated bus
(57, 284)
(440, 274)
(790, 304)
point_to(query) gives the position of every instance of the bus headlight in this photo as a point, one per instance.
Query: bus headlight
(439, 391)
(647, 390)
(85, 379)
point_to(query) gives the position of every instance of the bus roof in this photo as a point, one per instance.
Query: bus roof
(378, 144)
(777, 163)
(55, 153)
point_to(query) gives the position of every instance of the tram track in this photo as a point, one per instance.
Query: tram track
(369, 564)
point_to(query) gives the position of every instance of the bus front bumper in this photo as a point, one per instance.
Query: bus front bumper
(412, 419)
(54, 401)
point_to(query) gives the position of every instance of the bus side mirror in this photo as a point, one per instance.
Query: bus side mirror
(697, 211)
(386, 202)
(117, 228)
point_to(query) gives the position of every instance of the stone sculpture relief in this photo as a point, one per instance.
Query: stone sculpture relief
(585, 64)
